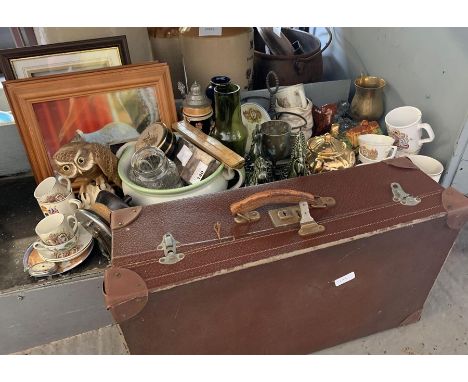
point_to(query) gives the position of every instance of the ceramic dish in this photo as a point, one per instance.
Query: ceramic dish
(365, 160)
(252, 114)
(37, 267)
(84, 238)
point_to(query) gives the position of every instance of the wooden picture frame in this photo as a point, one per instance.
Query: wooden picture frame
(29, 98)
(40, 60)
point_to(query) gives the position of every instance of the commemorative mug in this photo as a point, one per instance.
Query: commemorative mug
(57, 229)
(405, 125)
(377, 147)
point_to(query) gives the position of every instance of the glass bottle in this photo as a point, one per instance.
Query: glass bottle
(215, 81)
(229, 128)
(150, 168)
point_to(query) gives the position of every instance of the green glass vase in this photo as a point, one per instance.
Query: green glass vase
(229, 128)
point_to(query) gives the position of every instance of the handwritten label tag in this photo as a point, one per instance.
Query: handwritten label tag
(277, 30)
(184, 155)
(210, 31)
(198, 173)
(345, 279)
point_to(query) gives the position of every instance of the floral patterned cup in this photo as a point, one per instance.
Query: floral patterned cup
(57, 229)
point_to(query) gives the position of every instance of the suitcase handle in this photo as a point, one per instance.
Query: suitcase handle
(264, 198)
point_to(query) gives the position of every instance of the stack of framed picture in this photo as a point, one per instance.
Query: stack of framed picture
(87, 88)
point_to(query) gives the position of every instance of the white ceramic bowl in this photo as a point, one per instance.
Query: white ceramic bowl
(218, 181)
(428, 165)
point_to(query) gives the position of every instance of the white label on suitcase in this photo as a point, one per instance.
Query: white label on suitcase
(345, 279)
(184, 155)
(210, 31)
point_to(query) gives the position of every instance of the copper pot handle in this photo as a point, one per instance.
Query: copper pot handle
(264, 198)
(299, 64)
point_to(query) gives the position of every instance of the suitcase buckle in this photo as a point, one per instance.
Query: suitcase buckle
(399, 195)
(168, 245)
(308, 225)
(285, 216)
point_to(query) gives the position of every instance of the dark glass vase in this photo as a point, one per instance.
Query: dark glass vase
(229, 128)
(215, 81)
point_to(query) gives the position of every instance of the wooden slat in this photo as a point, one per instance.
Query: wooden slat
(209, 144)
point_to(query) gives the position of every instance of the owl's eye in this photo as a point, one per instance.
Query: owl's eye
(66, 167)
(80, 160)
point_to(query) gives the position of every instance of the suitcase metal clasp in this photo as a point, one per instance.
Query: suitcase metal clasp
(168, 245)
(285, 216)
(399, 195)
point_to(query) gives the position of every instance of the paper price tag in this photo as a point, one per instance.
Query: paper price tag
(210, 31)
(198, 173)
(184, 155)
(345, 279)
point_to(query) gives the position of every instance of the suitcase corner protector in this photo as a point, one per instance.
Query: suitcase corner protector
(125, 293)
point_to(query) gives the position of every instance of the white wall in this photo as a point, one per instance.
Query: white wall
(423, 67)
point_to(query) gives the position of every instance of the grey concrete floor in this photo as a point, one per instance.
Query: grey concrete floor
(443, 328)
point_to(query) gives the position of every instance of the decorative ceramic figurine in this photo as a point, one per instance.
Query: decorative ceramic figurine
(91, 161)
(297, 164)
(258, 169)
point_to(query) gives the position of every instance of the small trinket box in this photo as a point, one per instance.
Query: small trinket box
(193, 163)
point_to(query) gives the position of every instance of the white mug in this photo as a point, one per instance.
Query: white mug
(57, 229)
(376, 147)
(404, 124)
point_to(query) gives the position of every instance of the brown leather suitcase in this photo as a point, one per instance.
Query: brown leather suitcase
(225, 284)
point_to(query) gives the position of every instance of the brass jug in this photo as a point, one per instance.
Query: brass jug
(367, 103)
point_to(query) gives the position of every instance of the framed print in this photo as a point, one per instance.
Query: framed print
(107, 106)
(67, 57)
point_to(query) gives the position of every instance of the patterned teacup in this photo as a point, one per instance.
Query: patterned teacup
(57, 229)
(376, 147)
(55, 196)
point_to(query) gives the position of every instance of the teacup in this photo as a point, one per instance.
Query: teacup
(292, 96)
(428, 165)
(57, 229)
(66, 207)
(55, 196)
(376, 147)
(52, 190)
(404, 124)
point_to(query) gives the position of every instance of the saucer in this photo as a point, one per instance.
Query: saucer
(252, 114)
(37, 267)
(84, 238)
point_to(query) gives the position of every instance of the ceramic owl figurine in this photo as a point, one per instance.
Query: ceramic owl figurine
(92, 161)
